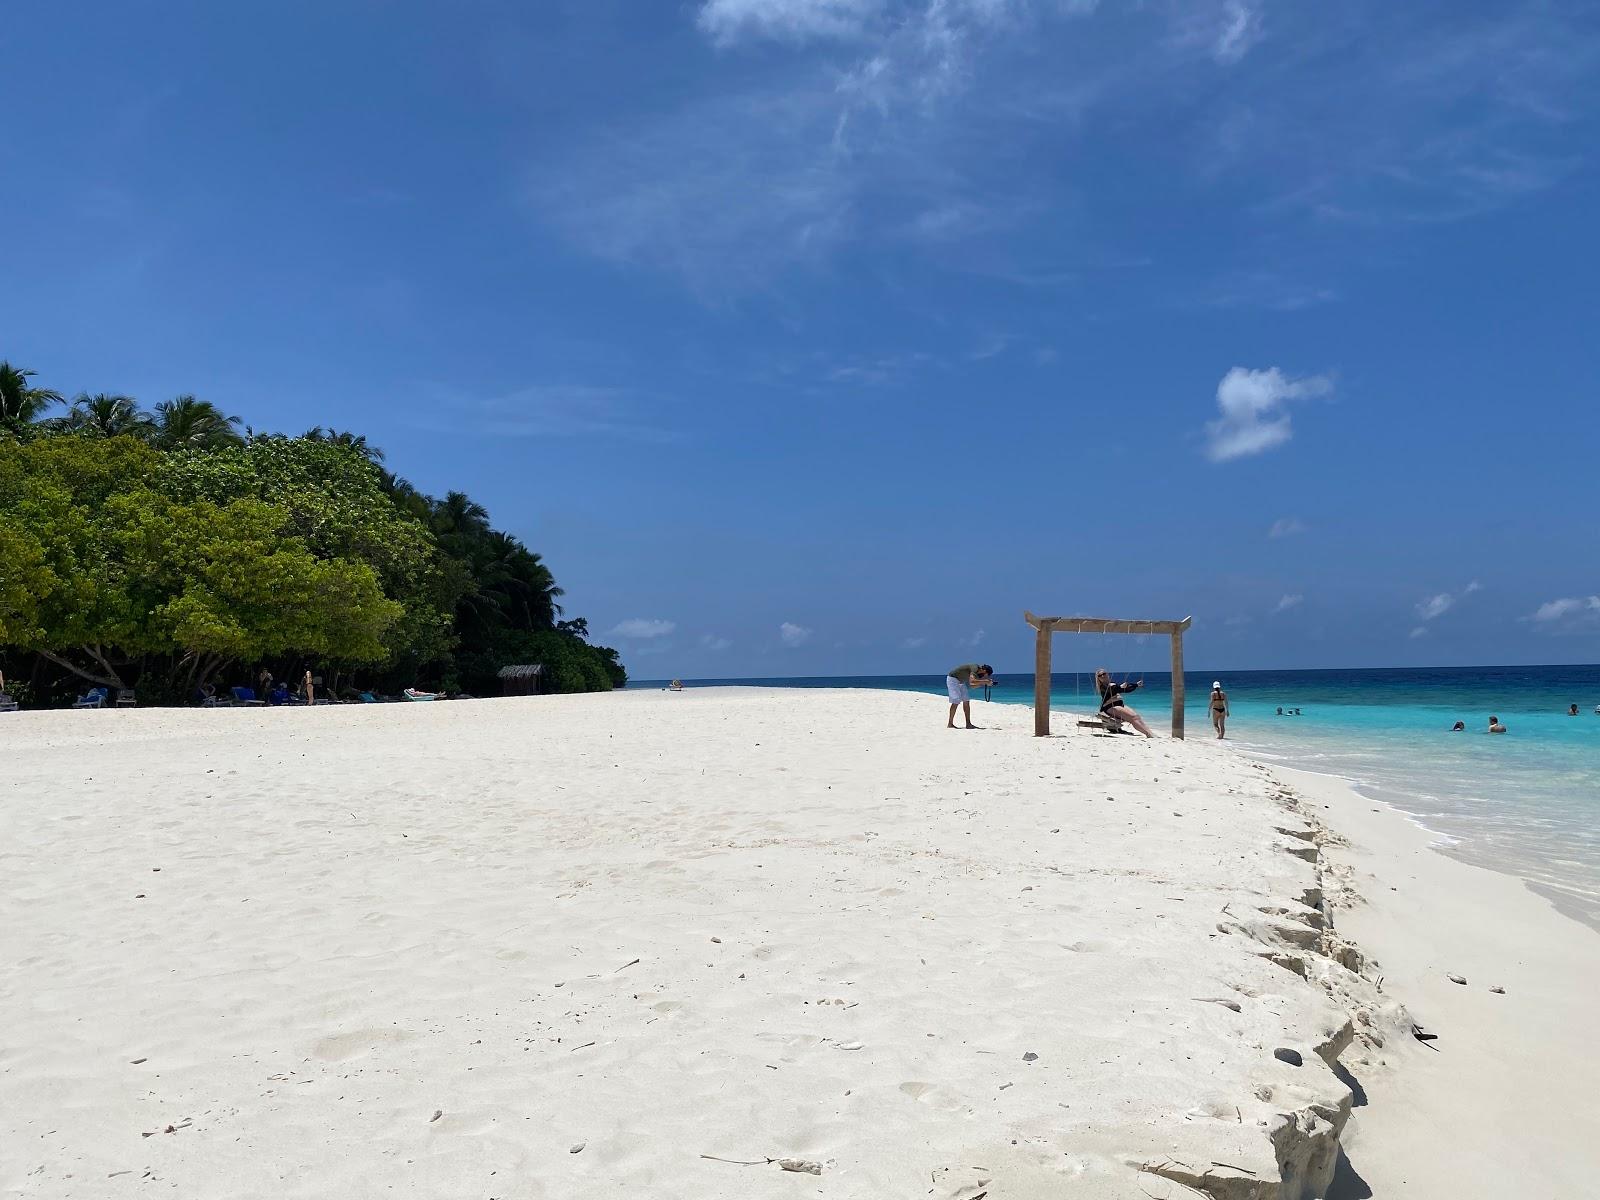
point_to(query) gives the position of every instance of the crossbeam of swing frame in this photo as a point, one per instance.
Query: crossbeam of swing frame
(1045, 629)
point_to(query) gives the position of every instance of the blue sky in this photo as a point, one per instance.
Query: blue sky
(825, 336)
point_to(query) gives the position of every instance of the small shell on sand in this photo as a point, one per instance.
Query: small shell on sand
(1461, 979)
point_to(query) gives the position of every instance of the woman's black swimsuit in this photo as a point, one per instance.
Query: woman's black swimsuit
(1111, 695)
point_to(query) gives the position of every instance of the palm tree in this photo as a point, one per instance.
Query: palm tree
(21, 403)
(108, 416)
(458, 513)
(194, 424)
(343, 437)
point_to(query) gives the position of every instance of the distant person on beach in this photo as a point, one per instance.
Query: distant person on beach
(1459, 727)
(263, 683)
(958, 684)
(1219, 709)
(1571, 712)
(1111, 704)
(1495, 726)
(307, 688)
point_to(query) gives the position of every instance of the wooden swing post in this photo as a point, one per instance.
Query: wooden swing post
(1045, 628)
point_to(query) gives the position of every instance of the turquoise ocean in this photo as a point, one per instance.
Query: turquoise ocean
(1526, 803)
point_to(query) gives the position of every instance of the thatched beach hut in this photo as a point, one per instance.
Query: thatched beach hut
(521, 679)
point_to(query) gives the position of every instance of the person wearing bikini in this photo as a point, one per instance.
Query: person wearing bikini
(1219, 709)
(1111, 704)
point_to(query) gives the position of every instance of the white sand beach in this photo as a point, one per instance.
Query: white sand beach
(747, 943)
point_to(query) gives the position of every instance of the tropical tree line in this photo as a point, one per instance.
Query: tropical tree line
(174, 550)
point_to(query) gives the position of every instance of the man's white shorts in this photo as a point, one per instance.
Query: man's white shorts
(957, 689)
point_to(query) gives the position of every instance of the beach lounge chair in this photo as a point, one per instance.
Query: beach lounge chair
(7, 703)
(244, 695)
(413, 694)
(368, 698)
(126, 698)
(93, 698)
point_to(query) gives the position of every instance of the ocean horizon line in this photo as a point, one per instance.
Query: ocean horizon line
(1545, 666)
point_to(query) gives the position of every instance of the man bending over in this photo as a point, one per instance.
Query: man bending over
(959, 683)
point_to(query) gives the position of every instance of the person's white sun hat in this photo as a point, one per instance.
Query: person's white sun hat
(1216, 683)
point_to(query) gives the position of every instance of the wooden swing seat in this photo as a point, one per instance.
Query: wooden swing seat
(1105, 726)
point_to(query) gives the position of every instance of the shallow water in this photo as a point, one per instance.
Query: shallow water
(1527, 802)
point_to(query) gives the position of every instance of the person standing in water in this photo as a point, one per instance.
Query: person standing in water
(1219, 709)
(959, 683)
(1495, 726)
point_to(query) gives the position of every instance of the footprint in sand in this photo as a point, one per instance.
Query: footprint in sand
(361, 1041)
(1087, 946)
(932, 1095)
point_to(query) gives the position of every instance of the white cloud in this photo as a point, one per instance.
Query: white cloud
(864, 124)
(1557, 610)
(1288, 602)
(726, 21)
(1420, 631)
(1435, 606)
(1240, 30)
(641, 628)
(794, 635)
(712, 642)
(976, 638)
(1253, 417)
(914, 643)
(546, 410)
(1286, 527)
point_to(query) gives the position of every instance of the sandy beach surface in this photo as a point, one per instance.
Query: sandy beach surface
(745, 943)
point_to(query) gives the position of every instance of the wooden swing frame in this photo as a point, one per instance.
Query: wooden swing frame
(1045, 628)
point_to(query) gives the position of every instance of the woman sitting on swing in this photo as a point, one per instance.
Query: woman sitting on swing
(1111, 705)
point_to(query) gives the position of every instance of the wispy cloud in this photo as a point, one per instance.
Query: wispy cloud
(913, 643)
(1254, 411)
(976, 639)
(879, 369)
(1437, 605)
(1453, 119)
(1420, 631)
(1567, 610)
(641, 628)
(547, 410)
(887, 124)
(1286, 527)
(726, 21)
(851, 138)
(713, 642)
(794, 635)
(1239, 31)
(1289, 600)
